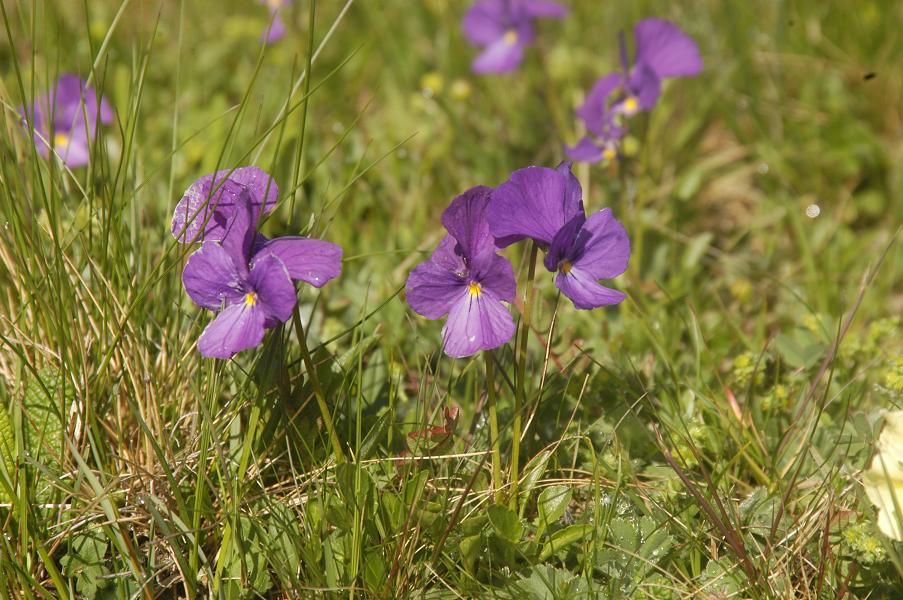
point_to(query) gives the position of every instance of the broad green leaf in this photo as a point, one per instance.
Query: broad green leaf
(552, 503)
(565, 537)
(470, 547)
(505, 522)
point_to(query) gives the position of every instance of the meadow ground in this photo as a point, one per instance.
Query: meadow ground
(705, 438)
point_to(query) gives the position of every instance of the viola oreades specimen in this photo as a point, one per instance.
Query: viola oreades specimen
(504, 29)
(239, 273)
(467, 280)
(546, 205)
(662, 51)
(65, 120)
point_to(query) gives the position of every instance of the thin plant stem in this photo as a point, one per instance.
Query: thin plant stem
(497, 480)
(315, 383)
(519, 391)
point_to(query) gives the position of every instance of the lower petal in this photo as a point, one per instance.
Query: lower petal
(477, 323)
(584, 291)
(584, 151)
(237, 328)
(501, 56)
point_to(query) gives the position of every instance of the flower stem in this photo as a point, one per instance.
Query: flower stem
(519, 393)
(497, 481)
(315, 383)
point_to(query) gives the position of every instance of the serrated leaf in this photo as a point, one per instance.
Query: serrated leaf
(505, 522)
(552, 503)
(565, 537)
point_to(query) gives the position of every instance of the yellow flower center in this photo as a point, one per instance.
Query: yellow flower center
(511, 37)
(475, 289)
(60, 140)
(631, 105)
(565, 267)
(609, 153)
(250, 299)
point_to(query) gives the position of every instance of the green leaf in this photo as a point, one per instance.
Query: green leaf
(470, 548)
(552, 503)
(565, 537)
(533, 472)
(375, 569)
(43, 422)
(7, 454)
(505, 523)
(85, 562)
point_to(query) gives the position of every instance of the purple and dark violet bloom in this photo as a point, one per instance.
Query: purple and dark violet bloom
(546, 205)
(467, 280)
(65, 120)
(662, 51)
(276, 29)
(504, 29)
(247, 278)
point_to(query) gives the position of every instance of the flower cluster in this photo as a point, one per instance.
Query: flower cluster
(239, 273)
(467, 280)
(662, 51)
(504, 29)
(65, 120)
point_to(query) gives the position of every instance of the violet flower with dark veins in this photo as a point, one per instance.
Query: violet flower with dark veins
(504, 29)
(247, 278)
(546, 205)
(662, 51)
(467, 280)
(66, 119)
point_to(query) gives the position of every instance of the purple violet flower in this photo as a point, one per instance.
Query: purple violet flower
(276, 29)
(662, 51)
(466, 279)
(245, 276)
(504, 28)
(546, 205)
(59, 120)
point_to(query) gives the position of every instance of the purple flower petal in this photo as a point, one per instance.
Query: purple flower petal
(594, 111)
(273, 288)
(498, 278)
(563, 244)
(604, 246)
(191, 213)
(237, 328)
(484, 23)
(544, 9)
(584, 291)
(476, 322)
(239, 231)
(646, 87)
(73, 150)
(465, 220)
(535, 202)
(502, 56)
(667, 50)
(276, 29)
(313, 261)
(446, 256)
(431, 289)
(584, 150)
(211, 278)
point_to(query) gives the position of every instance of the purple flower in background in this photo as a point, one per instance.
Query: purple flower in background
(248, 278)
(66, 119)
(466, 279)
(276, 30)
(662, 51)
(546, 205)
(208, 203)
(504, 28)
